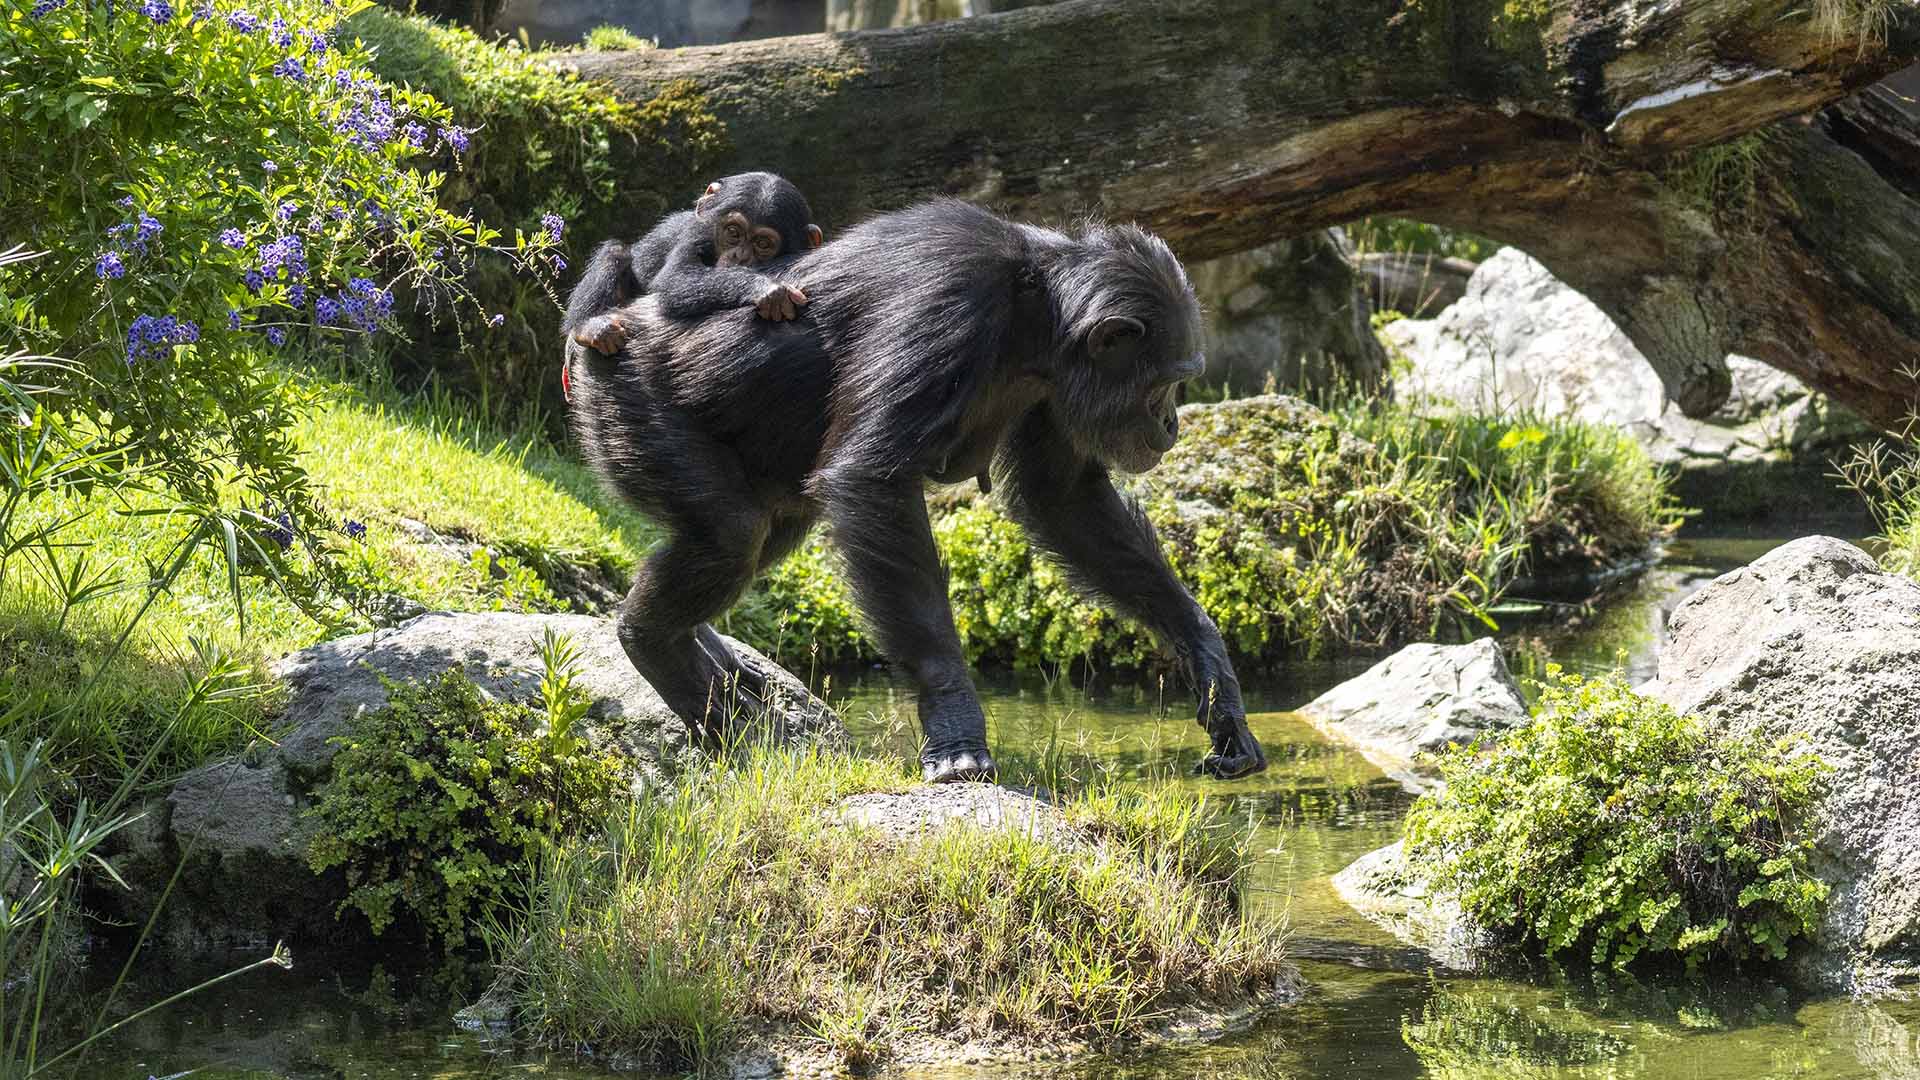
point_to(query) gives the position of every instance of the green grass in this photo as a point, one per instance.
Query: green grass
(735, 903)
(376, 461)
(612, 38)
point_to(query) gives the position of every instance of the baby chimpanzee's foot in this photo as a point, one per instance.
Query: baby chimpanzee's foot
(961, 765)
(605, 334)
(780, 303)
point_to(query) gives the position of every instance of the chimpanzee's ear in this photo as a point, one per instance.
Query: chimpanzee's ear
(815, 237)
(1114, 331)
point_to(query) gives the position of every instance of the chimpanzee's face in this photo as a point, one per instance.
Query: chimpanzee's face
(1120, 393)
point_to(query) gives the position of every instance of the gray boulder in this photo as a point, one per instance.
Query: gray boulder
(1293, 314)
(1379, 886)
(239, 822)
(1418, 701)
(1815, 640)
(1520, 338)
(1812, 640)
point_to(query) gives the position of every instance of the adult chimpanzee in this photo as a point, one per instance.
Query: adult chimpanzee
(938, 341)
(698, 261)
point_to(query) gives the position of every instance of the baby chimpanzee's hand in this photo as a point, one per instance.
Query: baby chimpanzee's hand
(780, 303)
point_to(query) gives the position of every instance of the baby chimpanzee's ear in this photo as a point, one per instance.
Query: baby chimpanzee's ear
(814, 236)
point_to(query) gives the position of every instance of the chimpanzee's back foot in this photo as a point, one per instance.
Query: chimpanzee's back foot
(958, 766)
(737, 688)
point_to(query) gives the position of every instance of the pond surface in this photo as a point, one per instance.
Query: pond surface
(1374, 1008)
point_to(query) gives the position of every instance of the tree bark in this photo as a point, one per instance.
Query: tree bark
(1568, 127)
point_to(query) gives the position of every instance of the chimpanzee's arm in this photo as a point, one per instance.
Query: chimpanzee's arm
(879, 524)
(688, 288)
(1067, 503)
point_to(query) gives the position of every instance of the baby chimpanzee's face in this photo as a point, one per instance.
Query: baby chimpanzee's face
(756, 218)
(739, 241)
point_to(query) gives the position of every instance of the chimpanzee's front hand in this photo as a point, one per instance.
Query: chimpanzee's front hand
(780, 303)
(1234, 751)
(605, 334)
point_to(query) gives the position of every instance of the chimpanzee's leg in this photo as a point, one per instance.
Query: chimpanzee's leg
(715, 534)
(880, 526)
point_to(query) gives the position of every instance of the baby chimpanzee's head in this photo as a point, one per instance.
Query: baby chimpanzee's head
(756, 217)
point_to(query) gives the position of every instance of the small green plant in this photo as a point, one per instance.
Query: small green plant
(1886, 476)
(617, 39)
(437, 798)
(1615, 825)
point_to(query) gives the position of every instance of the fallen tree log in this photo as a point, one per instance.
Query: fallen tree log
(1586, 131)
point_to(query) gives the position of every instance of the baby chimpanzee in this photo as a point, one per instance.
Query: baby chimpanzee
(698, 261)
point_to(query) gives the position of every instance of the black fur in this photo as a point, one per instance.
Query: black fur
(939, 341)
(678, 260)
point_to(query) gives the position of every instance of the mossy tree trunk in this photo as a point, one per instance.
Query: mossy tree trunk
(1572, 128)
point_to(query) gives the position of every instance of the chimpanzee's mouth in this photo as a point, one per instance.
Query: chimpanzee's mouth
(1165, 428)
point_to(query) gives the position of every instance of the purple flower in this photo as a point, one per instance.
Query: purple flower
(277, 32)
(276, 335)
(361, 286)
(456, 138)
(232, 238)
(151, 335)
(316, 41)
(496, 320)
(297, 295)
(286, 211)
(559, 265)
(158, 10)
(290, 67)
(383, 303)
(45, 6)
(356, 309)
(282, 532)
(243, 20)
(354, 529)
(233, 319)
(415, 133)
(202, 12)
(109, 265)
(553, 223)
(149, 228)
(337, 212)
(269, 166)
(254, 280)
(125, 201)
(327, 310)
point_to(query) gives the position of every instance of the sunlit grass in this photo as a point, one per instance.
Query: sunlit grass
(738, 900)
(375, 463)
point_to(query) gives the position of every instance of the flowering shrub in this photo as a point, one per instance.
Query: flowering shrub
(221, 189)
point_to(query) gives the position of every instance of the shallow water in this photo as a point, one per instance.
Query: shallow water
(1373, 1008)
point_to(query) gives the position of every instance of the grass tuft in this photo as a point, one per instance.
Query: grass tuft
(737, 903)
